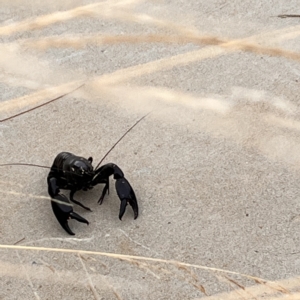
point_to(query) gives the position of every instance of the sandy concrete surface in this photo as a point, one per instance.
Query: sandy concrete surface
(215, 166)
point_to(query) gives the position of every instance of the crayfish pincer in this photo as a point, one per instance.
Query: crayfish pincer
(64, 212)
(74, 173)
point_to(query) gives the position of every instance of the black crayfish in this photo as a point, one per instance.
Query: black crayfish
(74, 173)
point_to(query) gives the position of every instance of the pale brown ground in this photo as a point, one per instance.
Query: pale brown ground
(215, 165)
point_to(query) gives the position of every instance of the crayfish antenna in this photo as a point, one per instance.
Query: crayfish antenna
(121, 138)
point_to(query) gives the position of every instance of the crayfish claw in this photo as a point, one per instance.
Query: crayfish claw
(75, 216)
(126, 195)
(135, 211)
(63, 211)
(66, 227)
(122, 208)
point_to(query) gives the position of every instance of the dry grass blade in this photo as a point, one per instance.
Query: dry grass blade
(192, 279)
(41, 105)
(61, 16)
(272, 286)
(259, 292)
(124, 75)
(38, 97)
(35, 197)
(91, 284)
(81, 42)
(132, 257)
(288, 16)
(46, 20)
